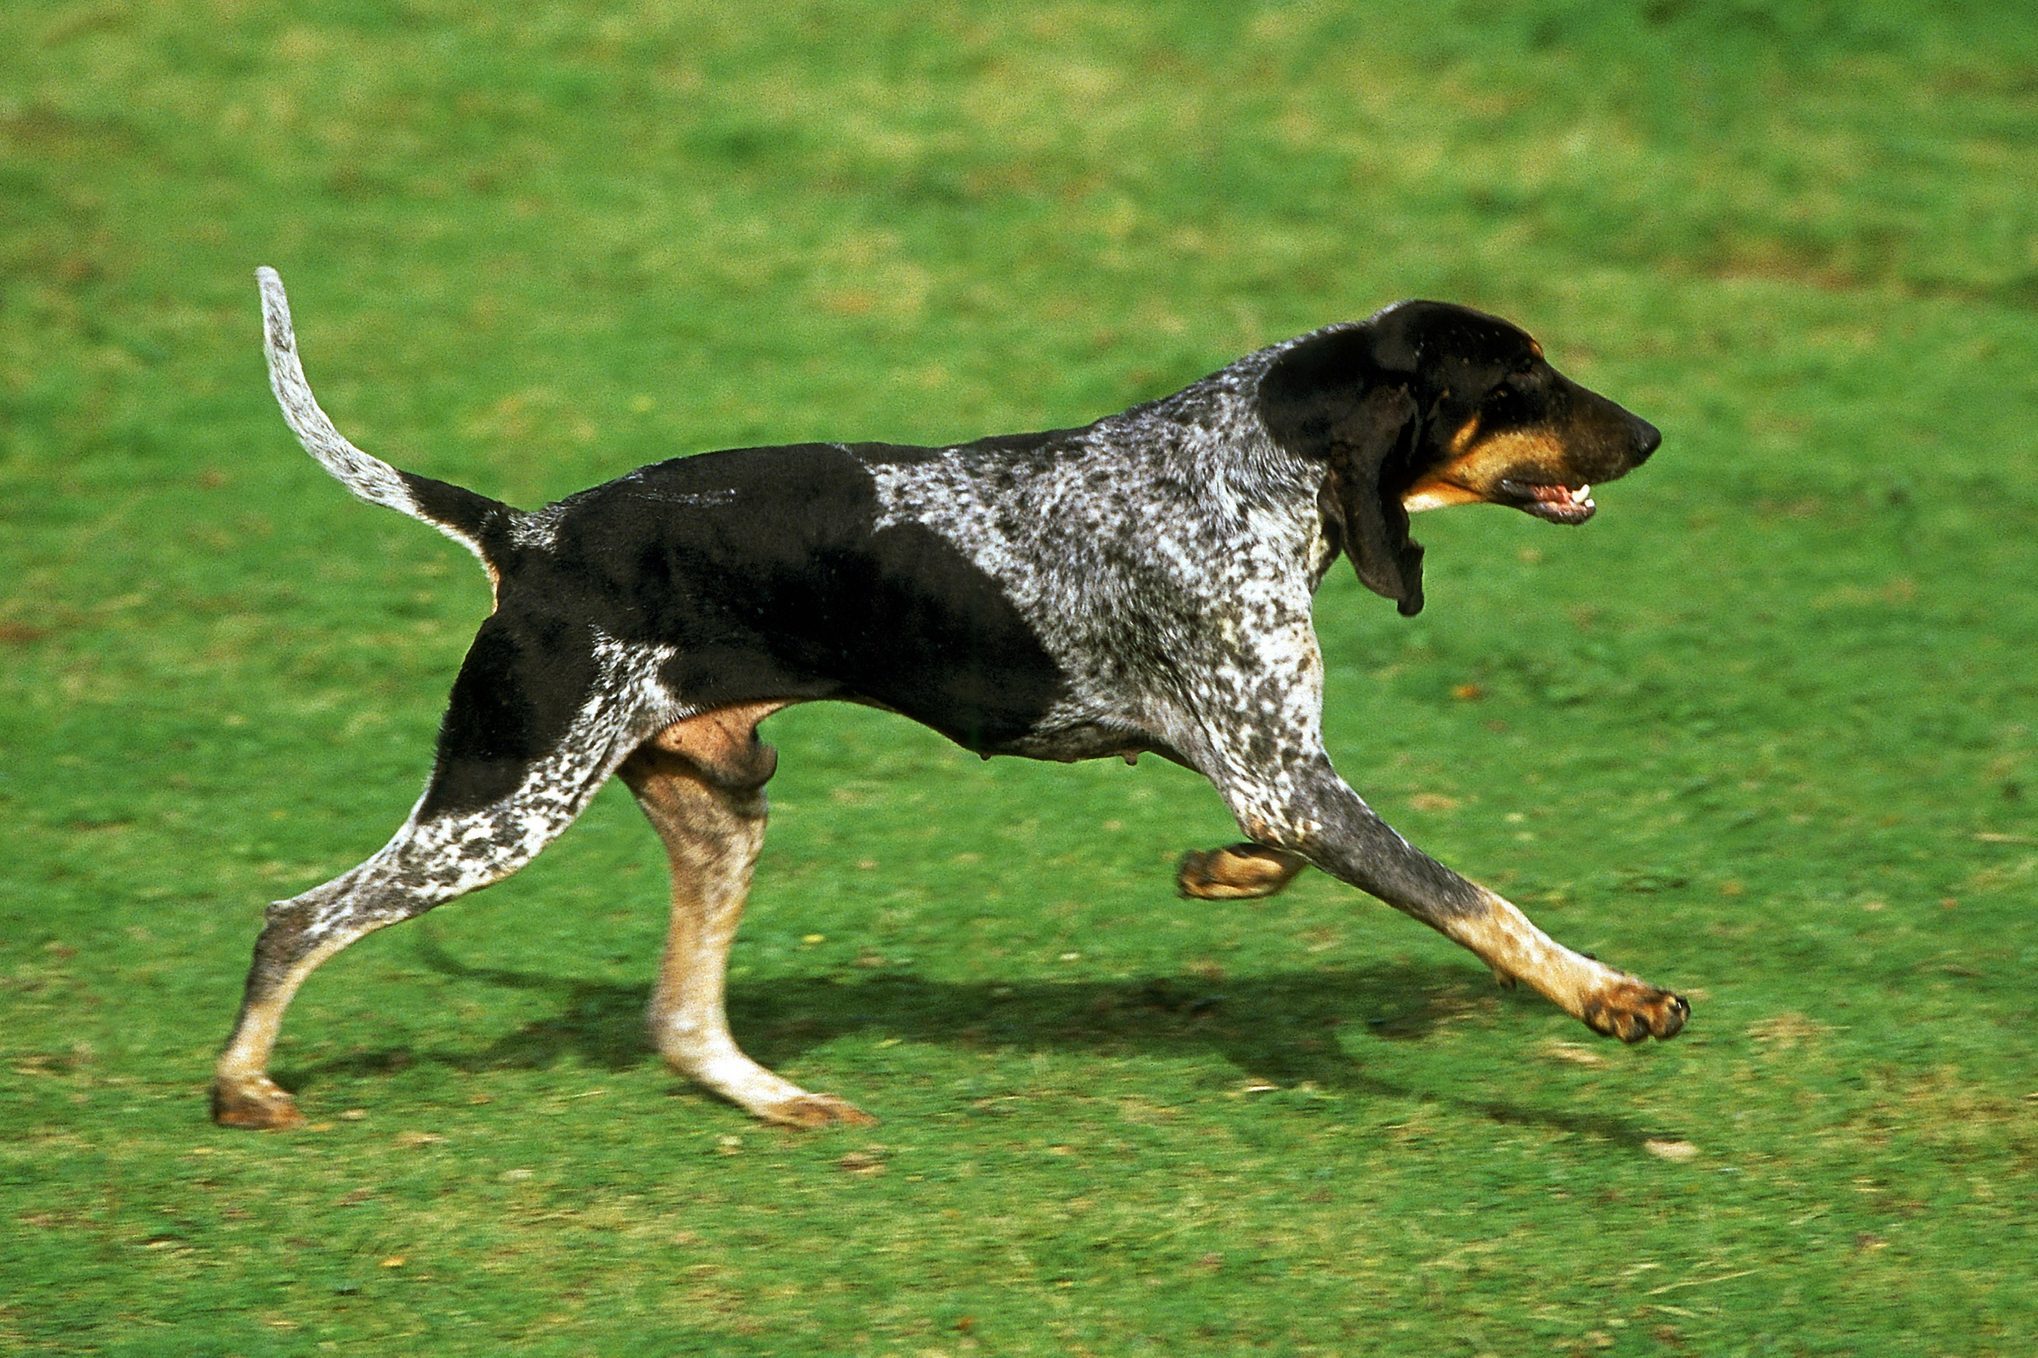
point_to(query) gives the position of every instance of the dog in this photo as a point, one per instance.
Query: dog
(1139, 584)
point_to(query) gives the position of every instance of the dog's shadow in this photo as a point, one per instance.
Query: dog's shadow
(1279, 1026)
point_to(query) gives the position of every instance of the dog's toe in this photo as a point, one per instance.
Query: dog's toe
(1241, 873)
(1633, 1011)
(815, 1110)
(258, 1103)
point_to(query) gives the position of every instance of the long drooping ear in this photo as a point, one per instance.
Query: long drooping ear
(1370, 452)
(1326, 400)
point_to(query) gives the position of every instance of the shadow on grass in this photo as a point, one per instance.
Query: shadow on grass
(1278, 1026)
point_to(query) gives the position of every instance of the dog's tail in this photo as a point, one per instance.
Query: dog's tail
(479, 524)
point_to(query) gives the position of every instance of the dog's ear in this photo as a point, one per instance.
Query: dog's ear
(1327, 399)
(1370, 457)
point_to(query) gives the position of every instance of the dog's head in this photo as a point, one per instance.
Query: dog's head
(1429, 404)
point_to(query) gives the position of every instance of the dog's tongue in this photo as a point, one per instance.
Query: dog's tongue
(1558, 504)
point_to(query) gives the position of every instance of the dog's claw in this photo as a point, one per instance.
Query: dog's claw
(1634, 1011)
(1241, 873)
(814, 1110)
(257, 1103)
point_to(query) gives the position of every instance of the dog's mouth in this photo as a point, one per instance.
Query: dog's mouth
(1551, 503)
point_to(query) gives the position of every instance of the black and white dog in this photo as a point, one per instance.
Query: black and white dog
(1138, 584)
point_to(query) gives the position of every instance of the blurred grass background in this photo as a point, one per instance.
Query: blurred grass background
(1763, 731)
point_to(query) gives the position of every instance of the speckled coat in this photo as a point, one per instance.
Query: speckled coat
(1142, 583)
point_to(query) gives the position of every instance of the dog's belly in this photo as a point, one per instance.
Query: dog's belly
(1086, 742)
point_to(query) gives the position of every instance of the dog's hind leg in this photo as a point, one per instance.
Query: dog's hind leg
(298, 935)
(701, 785)
(493, 803)
(430, 861)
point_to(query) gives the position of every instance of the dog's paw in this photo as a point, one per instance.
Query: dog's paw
(1243, 872)
(814, 1110)
(1633, 1010)
(256, 1102)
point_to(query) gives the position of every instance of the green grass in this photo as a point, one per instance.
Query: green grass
(1764, 731)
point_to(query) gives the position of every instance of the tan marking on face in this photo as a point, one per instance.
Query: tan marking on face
(1433, 492)
(1461, 442)
(1478, 464)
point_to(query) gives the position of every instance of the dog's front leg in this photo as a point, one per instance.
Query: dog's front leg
(1304, 808)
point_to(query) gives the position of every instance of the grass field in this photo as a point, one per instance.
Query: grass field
(1764, 731)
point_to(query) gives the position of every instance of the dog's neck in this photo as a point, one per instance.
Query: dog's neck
(1209, 437)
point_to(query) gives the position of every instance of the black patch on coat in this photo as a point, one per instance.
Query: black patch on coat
(524, 680)
(471, 514)
(766, 572)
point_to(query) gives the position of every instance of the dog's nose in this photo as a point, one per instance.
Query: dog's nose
(1648, 438)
